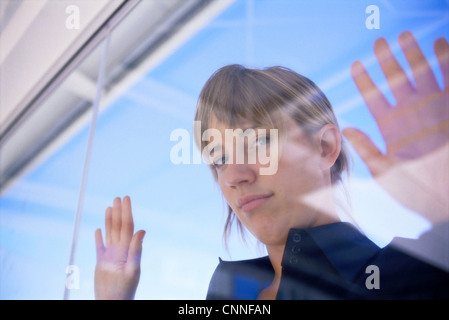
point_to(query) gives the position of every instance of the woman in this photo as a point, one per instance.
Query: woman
(311, 254)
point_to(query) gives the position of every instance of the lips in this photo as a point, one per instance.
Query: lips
(252, 202)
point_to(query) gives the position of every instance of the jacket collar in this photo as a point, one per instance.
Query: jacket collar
(336, 248)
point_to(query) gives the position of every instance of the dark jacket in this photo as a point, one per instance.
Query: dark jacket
(333, 261)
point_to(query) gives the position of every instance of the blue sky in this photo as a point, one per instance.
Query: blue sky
(179, 205)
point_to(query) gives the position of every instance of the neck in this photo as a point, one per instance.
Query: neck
(276, 251)
(321, 203)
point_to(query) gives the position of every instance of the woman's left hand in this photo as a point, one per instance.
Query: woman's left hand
(415, 167)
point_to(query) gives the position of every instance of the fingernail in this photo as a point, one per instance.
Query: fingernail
(406, 38)
(381, 49)
(357, 69)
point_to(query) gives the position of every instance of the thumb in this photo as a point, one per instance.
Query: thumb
(135, 249)
(376, 162)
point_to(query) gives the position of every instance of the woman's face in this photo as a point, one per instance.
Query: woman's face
(270, 205)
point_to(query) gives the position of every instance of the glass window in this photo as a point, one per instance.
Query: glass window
(152, 90)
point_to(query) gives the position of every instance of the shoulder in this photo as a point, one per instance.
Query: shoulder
(242, 279)
(427, 251)
(406, 274)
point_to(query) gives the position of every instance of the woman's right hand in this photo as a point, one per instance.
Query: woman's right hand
(117, 271)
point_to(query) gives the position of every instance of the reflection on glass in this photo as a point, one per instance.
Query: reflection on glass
(180, 206)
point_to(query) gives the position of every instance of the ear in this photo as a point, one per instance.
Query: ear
(330, 145)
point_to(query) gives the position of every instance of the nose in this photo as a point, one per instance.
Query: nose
(236, 175)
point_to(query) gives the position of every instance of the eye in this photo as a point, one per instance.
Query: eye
(259, 141)
(219, 162)
(262, 140)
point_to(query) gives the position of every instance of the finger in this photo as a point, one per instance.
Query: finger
(422, 72)
(374, 99)
(108, 226)
(116, 220)
(127, 228)
(99, 245)
(135, 250)
(397, 79)
(376, 162)
(441, 48)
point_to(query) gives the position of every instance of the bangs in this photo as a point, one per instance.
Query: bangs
(234, 95)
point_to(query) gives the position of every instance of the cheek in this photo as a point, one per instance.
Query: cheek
(298, 172)
(226, 191)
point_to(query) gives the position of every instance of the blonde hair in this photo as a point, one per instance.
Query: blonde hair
(234, 94)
